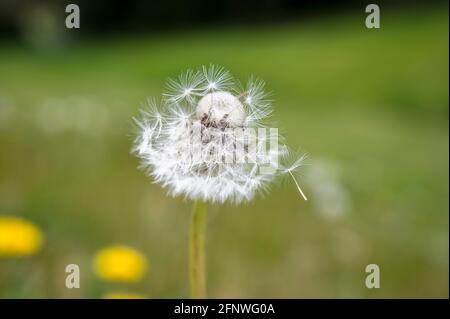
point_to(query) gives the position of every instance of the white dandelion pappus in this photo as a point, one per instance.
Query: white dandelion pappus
(216, 78)
(205, 140)
(255, 98)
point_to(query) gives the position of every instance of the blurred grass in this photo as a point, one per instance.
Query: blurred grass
(374, 102)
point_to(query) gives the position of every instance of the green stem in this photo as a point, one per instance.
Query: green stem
(197, 239)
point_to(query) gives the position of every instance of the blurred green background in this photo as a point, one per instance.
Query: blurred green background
(370, 107)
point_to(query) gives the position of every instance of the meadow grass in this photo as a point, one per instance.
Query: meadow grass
(374, 103)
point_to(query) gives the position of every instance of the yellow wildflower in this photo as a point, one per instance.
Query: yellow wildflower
(18, 237)
(120, 263)
(123, 295)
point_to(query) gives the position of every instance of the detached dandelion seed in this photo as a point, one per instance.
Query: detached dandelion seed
(298, 186)
(203, 142)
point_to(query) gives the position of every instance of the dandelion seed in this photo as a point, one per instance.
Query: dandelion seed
(298, 186)
(185, 88)
(216, 78)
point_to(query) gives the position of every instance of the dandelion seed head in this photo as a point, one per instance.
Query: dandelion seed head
(190, 147)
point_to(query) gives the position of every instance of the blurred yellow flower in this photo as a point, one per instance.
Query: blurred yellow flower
(123, 295)
(18, 237)
(120, 263)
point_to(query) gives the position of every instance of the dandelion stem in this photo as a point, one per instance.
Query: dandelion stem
(197, 240)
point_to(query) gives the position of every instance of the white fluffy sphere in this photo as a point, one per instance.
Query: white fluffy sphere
(221, 109)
